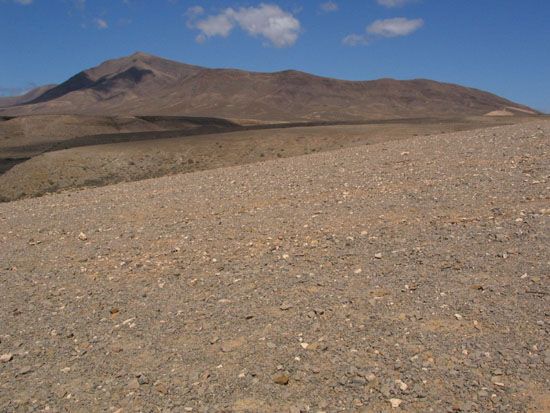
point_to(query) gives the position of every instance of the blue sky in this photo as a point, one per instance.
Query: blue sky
(502, 46)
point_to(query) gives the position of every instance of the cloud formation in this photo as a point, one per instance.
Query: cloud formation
(355, 40)
(269, 21)
(101, 24)
(396, 27)
(399, 26)
(393, 3)
(329, 6)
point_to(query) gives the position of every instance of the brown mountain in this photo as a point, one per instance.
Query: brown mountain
(145, 84)
(27, 97)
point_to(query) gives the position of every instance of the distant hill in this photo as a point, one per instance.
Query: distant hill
(142, 84)
(27, 97)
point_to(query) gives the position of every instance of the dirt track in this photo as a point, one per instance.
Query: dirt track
(412, 273)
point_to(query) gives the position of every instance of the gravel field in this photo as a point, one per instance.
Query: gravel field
(409, 275)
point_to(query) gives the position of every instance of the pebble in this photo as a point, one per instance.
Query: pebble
(378, 256)
(395, 403)
(281, 379)
(142, 379)
(370, 377)
(4, 358)
(82, 237)
(402, 386)
(285, 306)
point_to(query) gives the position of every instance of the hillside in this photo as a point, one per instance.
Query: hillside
(25, 98)
(59, 164)
(144, 84)
(411, 273)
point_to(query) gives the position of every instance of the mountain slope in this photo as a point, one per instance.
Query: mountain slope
(145, 84)
(26, 98)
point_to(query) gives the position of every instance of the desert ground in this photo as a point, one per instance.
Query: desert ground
(398, 273)
(51, 153)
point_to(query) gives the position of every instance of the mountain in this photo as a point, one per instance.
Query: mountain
(27, 97)
(143, 84)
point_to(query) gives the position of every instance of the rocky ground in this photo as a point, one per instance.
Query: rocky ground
(100, 160)
(404, 276)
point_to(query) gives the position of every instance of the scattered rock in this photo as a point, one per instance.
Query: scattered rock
(395, 403)
(4, 358)
(82, 237)
(142, 379)
(281, 379)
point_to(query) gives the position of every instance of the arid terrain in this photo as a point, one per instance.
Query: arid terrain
(400, 275)
(149, 85)
(50, 153)
(176, 238)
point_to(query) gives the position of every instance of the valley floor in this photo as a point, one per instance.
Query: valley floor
(409, 275)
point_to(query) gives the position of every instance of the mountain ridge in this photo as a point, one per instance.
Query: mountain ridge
(145, 84)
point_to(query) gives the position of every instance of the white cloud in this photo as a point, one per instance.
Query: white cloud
(219, 25)
(393, 3)
(269, 21)
(355, 40)
(101, 24)
(329, 6)
(396, 27)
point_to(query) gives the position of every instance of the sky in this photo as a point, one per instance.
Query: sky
(502, 46)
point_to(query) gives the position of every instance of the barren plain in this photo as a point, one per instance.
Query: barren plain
(405, 275)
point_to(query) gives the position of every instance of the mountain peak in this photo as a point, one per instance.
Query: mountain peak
(139, 55)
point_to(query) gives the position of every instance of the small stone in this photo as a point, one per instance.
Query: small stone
(142, 379)
(497, 381)
(25, 370)
(458, 317)
(281, 379)
(395, 403)
(161, 388)
(4, 358)
(402, 386)
(483, 394)
(133, 385)
(82, 237)
(285, 306)
(370, 377)
(304, 345)
(378, 256)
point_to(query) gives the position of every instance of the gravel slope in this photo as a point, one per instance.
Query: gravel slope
(152, 157)
(411, 273)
